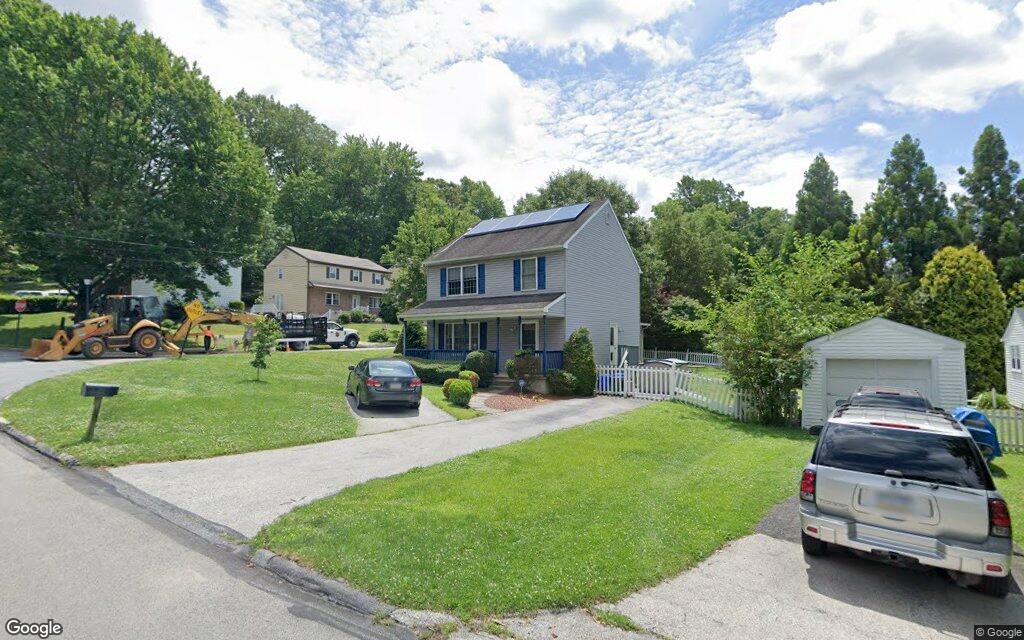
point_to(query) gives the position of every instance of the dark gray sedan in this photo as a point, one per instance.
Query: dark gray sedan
(384, 382)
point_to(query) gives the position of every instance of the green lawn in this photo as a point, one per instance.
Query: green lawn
(194, 407)
(1008, 472)
(436, 396)
(570, 518)
(33, 325)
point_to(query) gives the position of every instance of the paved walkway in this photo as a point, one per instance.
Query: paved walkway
(247, 491)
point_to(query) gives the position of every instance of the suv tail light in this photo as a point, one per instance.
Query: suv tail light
(415, 382)
(998, 518)
(807, 485)
(372, 382)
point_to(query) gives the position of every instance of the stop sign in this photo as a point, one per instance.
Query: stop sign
(20, 306)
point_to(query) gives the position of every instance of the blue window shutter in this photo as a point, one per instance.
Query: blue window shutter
(517, 275)
(444, 282)
(480, 279)
(542, 272)
(483, 330)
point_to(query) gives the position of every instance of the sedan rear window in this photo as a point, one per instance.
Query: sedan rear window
(391, 368)
(927, 457)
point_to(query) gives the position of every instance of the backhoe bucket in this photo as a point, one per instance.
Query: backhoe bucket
(44, 350)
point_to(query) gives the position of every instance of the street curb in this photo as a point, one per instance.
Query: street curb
(41, 447)
(220, 536)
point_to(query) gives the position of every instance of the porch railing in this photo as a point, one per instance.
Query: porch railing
(548, 359)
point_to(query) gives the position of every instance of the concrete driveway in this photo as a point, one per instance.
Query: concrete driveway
(247, 491)
(382, 419)
(762, 586)
(16, 373)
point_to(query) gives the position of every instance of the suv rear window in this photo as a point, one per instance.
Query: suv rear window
(890, 401)
(923, 456)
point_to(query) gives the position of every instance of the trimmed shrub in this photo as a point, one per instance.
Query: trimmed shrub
(472, 376)
(378, 335)
(523, 366)
(417, 338)
(481, 363)
(562, 383)
(460, 392)
(394, 335)
(446, 387)
(432, 372)
(984, 401)
(961, 298)
(359, 316)
(578, 356)
(344, 318)
(236, 305)
(37, 304)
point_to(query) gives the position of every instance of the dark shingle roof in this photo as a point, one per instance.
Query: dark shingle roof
(526, 302)
(513, 240)
(337, 259)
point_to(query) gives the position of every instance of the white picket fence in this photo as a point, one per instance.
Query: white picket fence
(655, 383)
(1010, 427)
(691, 357)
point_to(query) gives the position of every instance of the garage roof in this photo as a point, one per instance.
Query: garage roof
(879, 320)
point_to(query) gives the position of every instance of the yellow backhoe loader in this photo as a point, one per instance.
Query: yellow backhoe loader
(130, 325)
(211, 316)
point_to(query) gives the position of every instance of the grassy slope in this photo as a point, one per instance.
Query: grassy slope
(195, 407)
(569, 518)
(33, 325)
(436, 396)
(1008, 472)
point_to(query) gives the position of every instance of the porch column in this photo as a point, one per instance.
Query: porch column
(465, 331)
(432, 339)
(497, 347)
(405, 330)
(544, 358)
(520, 321)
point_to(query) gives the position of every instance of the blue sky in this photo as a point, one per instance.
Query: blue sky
(509, 91)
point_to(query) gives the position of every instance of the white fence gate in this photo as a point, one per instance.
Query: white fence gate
(1009, 425)
(654, 383)
(690, 357)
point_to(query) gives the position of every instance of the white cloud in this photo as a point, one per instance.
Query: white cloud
(923, 54)
(659, 49)
(872, 129)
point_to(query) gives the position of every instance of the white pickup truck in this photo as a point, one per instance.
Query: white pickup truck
(338, 336)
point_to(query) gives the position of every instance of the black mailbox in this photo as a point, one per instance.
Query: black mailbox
(93, 390)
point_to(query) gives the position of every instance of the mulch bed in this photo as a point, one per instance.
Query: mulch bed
(513, 401)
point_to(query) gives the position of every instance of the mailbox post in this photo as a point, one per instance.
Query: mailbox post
(97, 392)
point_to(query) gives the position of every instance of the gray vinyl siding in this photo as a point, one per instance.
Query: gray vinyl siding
(887, 341)
(498, 275)
(602, 284)
(1014, 379)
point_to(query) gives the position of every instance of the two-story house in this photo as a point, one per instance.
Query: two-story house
(526, 282)
(316, 283)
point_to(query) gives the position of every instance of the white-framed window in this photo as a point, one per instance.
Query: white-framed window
(528, 336)
(462, 280)
(528, 274)
(374, 302)
(280, 273)
(334, 273)
(1015, 358)
(355, 300)
(456, 335)
(378, 278)
(332, 299)
(355, 275)
(279, 301)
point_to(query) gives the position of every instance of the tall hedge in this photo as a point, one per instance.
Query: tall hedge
(416, 339)
(37, 304)
(961, 298)
(578, 354)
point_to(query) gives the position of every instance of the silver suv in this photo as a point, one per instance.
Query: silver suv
(907, 487)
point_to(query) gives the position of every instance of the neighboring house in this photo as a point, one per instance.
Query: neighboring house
(526, 282)
(222, 294)
(1013, 343)
(886, 353)
(316, 283)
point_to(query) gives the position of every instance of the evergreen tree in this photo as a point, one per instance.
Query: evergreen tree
(821, 208)
(909, 212)
(961, 298)
(993, 205)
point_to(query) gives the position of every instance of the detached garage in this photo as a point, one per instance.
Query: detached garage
(887, 353)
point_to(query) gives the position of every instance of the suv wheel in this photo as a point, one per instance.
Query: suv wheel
(997, 586)
(813, 546)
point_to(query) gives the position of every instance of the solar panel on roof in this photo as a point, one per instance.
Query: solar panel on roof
(532, 219)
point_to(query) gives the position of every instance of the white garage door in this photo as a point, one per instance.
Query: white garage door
(844, 376)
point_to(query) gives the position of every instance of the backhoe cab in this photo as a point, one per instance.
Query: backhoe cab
(130, 324)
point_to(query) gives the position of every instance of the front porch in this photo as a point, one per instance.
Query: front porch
(548, 359)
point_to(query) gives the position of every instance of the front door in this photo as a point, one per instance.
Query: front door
(613, 344)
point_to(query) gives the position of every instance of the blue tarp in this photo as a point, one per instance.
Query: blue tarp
(981, 428)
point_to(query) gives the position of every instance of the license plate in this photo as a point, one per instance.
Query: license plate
(394, 385)
(896, 503)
